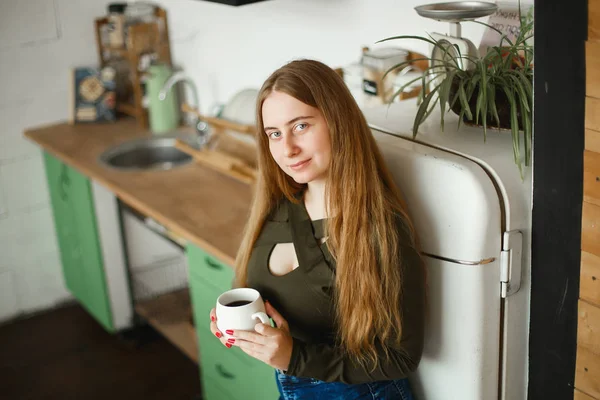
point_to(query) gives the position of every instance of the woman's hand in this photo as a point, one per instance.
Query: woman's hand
(215, 330)
(273, 346)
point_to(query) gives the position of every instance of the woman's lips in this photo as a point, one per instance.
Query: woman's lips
(299, 165)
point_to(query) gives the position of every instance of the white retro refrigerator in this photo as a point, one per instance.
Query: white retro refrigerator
(472, 213)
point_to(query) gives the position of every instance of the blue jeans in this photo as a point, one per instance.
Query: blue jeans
(298, 388)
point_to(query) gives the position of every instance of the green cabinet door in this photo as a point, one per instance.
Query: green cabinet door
(56, 173)
(80, 251)
(227, 374)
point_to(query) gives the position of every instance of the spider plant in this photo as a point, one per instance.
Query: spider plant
(496, 91)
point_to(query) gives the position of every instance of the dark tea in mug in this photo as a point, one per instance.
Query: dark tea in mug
(238, 303)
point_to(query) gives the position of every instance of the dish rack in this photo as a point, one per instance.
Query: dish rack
(161, 277)
(223, 152)
(158, 280)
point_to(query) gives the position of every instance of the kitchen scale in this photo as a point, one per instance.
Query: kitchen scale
(453, 45)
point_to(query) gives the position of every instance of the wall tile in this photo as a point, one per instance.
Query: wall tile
(13, 145)
(9, 253)
(24, 184)
(35, 86)
(39, 281)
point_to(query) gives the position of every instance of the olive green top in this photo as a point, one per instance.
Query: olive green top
(304, 298)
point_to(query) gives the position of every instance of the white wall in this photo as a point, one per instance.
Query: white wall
(40, 41)
(223, 48)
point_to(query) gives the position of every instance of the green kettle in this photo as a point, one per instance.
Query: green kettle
(163, 113)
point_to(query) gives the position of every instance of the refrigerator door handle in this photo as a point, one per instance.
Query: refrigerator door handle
(510, 263)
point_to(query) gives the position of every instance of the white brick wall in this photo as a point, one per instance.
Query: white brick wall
(34, 82)
(223, 48)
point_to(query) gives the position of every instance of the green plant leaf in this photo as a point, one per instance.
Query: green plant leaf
(527, 83)
(502, 35)
(526, 121)
(505, 70)
(521, 92)
(407, 84)
(492, 103)
(407, 37)
(461, 116)
(444, 95)
(481, 105)
(422, 111)
(514, 128)
(464, 102)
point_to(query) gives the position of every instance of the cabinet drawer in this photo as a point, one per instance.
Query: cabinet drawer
(208, 269)
(214, 348)
(245, 377)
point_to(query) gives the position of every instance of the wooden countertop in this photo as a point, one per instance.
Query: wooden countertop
(197, 203)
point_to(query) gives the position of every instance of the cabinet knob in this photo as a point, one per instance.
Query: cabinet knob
(213, 264)
(223, 372)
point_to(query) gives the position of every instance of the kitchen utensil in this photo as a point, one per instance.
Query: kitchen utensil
(240, 309)
(456, 11)
(221, 162)
(242, 107)
(461, 48)
(163, 114)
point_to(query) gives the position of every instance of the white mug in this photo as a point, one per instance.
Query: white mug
(240, 309)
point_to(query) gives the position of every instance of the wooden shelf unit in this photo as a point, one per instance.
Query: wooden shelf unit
(142, 39)
(170, 314)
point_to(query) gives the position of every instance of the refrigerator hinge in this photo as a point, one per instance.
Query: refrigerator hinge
(510, 263)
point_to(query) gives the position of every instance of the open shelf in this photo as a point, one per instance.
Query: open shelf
(143, 40)
(170, 315)
(128, 109)
(121, 51)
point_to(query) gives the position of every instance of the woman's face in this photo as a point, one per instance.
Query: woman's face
(298, 137)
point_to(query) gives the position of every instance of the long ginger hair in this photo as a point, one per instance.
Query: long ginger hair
(363, 205)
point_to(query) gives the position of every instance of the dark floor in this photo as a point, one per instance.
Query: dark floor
(65, 354)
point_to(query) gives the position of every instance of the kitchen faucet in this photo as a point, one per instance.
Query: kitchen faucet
(201, 127)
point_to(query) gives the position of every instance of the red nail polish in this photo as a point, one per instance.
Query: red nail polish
(212, 318)
(218, 334)
(229, 332)
(232, 341)
(228, 345)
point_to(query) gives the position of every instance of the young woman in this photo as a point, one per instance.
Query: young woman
(329, 246)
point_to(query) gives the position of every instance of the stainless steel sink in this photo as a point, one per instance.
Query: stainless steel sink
(151, 153)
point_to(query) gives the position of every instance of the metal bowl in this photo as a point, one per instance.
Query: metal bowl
(456, 11)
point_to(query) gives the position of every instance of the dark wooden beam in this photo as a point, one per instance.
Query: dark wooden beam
(559, 108)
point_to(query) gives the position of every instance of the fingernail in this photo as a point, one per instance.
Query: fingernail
(232, 341)
(228, 345)
(229, 332)
(218, 334)
(212, 318)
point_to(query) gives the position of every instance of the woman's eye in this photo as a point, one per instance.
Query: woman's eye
(274, 135)
(301, 127)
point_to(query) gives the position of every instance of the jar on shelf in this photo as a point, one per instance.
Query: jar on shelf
(116, 24)
(123, 81)
(139, 13)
